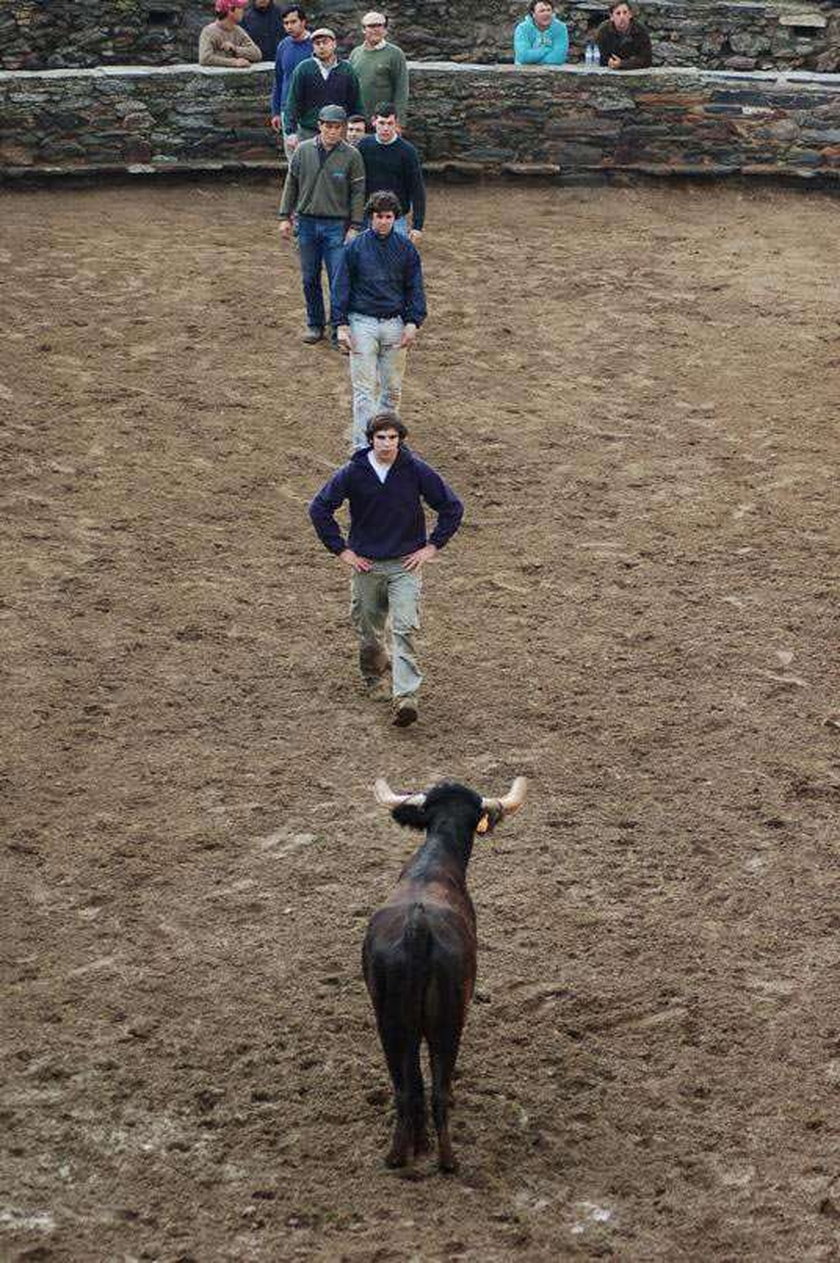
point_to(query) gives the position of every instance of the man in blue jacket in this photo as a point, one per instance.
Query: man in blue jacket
(378, 304)
(541, 39)
(386, 549)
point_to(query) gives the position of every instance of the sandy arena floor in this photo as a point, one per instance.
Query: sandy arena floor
(636, 393)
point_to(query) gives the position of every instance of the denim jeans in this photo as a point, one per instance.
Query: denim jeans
(377, 364)
(388, 589)
(320, 241)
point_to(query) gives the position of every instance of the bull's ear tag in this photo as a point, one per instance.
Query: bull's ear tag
(483, 824)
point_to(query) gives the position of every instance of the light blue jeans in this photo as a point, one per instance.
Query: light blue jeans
(387, 590)
(377, 365)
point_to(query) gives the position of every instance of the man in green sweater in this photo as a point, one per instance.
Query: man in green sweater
(381, 68)
(325, 188)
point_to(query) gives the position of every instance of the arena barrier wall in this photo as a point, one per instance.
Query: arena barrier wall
(561, 122)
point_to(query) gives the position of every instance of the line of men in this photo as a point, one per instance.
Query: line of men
(349, 205)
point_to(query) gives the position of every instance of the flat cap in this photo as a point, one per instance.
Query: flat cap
(332, 114)
(374, 18)
(323, 31)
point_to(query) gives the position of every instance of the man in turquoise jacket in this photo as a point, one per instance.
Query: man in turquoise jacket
(541, 39)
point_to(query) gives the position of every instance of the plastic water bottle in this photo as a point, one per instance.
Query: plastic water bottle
(588, 54)
(596, 55)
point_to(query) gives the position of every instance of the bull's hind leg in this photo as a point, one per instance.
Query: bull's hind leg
(393, 1045)
(444, 1040)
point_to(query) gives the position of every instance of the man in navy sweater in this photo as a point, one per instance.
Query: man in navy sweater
(295, 48)
(393, 163)
(378, 304)
(386, 548)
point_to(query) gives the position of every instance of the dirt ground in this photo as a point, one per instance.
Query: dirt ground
(636, 393)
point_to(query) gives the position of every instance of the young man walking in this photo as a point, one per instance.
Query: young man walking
(325, 187)
(386, 549)
(381, 67)
(318, 81)
(378, 304)
(291, 51)
(393, 164)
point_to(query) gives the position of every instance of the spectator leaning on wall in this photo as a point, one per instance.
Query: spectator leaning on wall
(541, 39)
(264, 24)
(291, 51)
(224, 43)
(381, 67)
(623, 42)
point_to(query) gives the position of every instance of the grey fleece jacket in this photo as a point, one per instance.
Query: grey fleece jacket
(329, 183)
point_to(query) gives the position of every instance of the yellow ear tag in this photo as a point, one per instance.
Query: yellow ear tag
(483, 825)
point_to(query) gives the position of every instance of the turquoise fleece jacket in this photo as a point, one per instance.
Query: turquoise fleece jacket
(533, 47)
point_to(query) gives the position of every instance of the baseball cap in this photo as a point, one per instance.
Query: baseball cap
(332, 114)
(325, 31)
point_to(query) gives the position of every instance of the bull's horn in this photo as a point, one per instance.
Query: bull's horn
(511, 802)
(386, 797)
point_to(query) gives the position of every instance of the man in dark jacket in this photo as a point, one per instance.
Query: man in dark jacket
(393, 163)
(623, 43)
(264, 24)
(318, 81)
(387, 546)
(378, 304)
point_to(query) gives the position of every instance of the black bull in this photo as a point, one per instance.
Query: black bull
(419, 955)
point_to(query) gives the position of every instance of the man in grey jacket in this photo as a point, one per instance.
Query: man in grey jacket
(325, 189)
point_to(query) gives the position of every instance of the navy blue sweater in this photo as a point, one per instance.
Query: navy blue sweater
(386, 518)
(379, 276)
(265, 26)
(309, 92)
(290, 53)
(395, 167)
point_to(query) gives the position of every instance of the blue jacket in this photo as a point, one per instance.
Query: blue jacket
(533, 47)
(386, 518)
(290, 52)
(379, 276)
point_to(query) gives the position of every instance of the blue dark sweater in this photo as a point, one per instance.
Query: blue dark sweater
(379, 276)
(265, 26)
(395, 167)
(290, 52)
(309, 92)
(386, 518)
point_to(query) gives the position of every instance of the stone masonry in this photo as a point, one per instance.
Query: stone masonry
(494, 120)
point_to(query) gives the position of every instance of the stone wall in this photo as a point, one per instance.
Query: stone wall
(39, 34)
(558, 122)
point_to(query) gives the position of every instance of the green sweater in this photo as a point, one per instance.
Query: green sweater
(327, 183)
(383, 76)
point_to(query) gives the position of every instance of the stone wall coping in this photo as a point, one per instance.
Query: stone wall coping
(674, 74)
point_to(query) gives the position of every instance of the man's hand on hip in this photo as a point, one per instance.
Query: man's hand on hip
(351, 559)
(409, 335)
(415, 560)
(350, 234)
